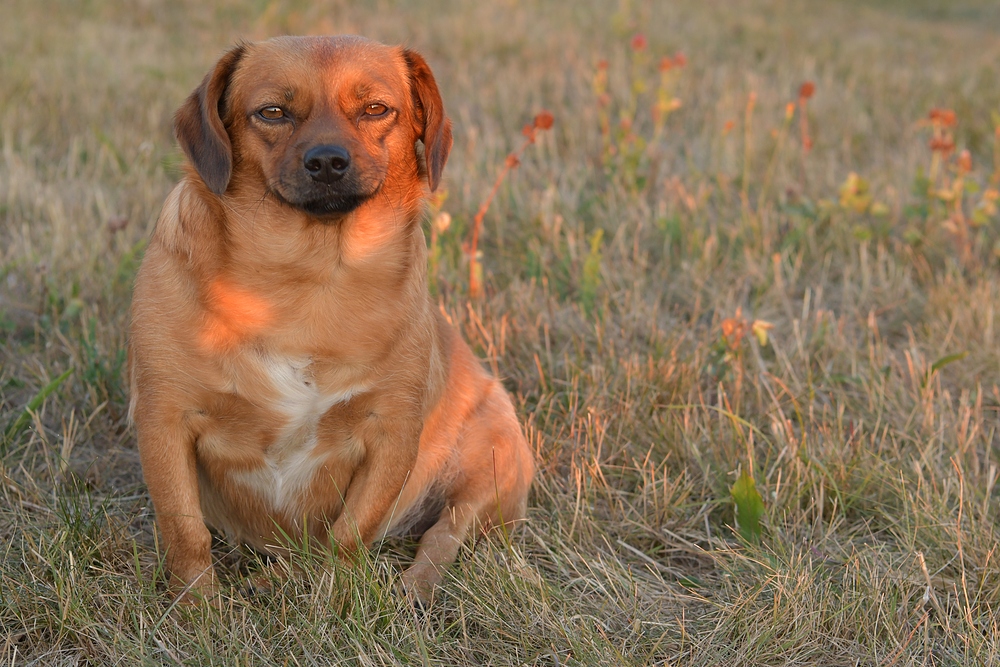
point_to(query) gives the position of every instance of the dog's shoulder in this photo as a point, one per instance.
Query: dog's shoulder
(190, 222)
(183, 253)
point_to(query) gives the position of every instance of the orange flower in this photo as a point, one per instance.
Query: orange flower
(942, 145)
(806, 90)
(943, 117)
(638, 42)
(544, 119)
(734, 329)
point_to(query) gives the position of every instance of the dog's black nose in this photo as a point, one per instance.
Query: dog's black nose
(327, 163)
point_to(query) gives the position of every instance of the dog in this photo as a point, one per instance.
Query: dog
(290, 377)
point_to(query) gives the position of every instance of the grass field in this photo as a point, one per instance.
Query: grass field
(633, 264)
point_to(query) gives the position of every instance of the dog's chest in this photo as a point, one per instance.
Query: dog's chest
(293, 458)
(297, 397)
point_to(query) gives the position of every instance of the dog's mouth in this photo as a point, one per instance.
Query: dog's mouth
(337, 205)
(328, 206)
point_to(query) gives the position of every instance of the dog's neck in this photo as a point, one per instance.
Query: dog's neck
(268, 237)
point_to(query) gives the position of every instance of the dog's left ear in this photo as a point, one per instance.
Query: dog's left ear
(199, 127)
(436, 134)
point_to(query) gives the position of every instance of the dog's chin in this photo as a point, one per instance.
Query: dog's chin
(327, 209)
(332, 206)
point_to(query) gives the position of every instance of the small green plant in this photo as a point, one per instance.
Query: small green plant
(726, 354)
(857, 202)
(749, 507)
(627, 147)
(950, 198)
(101, 370)
(591, 277)
(18, 425)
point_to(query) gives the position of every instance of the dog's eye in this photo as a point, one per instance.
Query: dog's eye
(271, 113)
(376, 109)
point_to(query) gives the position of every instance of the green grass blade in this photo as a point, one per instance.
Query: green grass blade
(749, 507)
(21, 422)
(944, 361)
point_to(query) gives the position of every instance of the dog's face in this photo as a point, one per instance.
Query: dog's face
(321, 122)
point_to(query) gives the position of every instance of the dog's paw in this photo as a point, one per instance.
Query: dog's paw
(198, 596)
(419, 583)
(269, 578)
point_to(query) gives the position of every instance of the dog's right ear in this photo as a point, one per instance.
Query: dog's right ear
(199, 128)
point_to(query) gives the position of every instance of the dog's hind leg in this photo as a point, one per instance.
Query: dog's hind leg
(481, 507)
(493, 471)
(438, 548)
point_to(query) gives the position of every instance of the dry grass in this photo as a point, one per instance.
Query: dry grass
(614, 273)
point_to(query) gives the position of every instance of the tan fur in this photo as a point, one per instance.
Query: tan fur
(288, 369)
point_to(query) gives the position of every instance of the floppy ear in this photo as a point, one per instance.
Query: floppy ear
(199, 128)
(436, 134)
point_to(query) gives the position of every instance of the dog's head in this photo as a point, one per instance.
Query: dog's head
(324, 123)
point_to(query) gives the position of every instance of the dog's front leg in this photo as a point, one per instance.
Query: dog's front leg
(169, 465)
(390, 446)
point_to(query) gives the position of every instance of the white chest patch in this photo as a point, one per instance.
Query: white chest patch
(291, 461)
(298, 397)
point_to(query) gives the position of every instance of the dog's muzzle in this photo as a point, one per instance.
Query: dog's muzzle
(327, 181)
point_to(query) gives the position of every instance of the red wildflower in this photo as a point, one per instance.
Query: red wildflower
(944, 117)
(942, 145)
(544, 119)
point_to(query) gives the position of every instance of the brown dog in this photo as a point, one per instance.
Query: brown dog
(289, 374)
